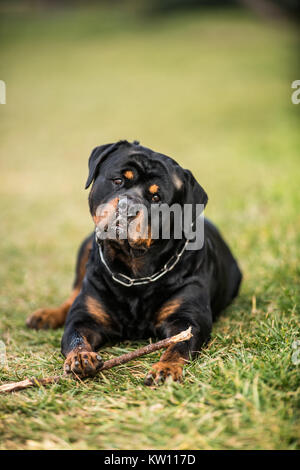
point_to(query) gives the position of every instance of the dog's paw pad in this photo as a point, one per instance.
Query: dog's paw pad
(162, 371)
(83, 363)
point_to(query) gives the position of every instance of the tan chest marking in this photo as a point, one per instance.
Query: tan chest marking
(166, 310)
(97, 311)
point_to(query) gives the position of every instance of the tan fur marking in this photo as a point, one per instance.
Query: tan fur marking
(82, 361)
(107, 211)
(96, 310)
(170, 365)
(177, 181)
(142, 233)
(147, 242)
(172, 356)
(167, 309)
(166, 369)
(83, 261)
(144, 241)
(129, 174)
(153, 188)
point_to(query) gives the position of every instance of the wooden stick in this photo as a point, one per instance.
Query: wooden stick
(33, 382)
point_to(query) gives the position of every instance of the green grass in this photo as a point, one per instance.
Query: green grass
(213, 91)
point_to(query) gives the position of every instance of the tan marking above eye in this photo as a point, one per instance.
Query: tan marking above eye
(153, 188)
(129, 174)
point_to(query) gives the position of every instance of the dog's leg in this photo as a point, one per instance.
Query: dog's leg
(79, 346)
(87, 328)
(176, 356)
(44, 318)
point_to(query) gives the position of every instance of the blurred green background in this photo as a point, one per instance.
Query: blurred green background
(211, 87)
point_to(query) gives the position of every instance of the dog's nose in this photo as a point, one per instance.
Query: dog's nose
(122, 204)
(129, 206)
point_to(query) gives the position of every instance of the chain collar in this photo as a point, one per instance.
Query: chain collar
(128, 281)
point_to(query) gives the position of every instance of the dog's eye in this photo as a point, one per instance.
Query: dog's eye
(117, 181)
(155, 198)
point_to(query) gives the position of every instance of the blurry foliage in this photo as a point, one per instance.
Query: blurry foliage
(292, 7)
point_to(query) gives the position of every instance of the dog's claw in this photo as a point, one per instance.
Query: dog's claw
(83, 363)
(148, 380)
(164, 371)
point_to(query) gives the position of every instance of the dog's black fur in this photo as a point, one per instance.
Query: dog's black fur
(201, 285)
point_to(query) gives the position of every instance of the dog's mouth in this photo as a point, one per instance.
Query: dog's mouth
(126, 247)
(131, 232)
(122, 236)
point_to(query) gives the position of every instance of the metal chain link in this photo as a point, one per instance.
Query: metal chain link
(128, 281)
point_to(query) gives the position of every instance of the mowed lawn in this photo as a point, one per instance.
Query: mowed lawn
(213, 90)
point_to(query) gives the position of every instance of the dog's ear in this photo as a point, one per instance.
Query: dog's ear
(194, 193)
(97, 156)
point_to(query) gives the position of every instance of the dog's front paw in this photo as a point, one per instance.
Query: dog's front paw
(45, 318)
(162, 371)
(83, 363)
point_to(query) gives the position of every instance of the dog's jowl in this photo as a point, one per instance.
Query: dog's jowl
(130, 284)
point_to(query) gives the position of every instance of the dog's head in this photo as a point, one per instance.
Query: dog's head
(129, 183)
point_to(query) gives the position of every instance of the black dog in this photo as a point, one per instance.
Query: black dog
(106, 304)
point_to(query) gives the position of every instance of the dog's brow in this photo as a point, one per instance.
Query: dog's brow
(151, 167)
(135, 163)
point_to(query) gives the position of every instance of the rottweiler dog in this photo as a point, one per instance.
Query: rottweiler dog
(137, 287)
